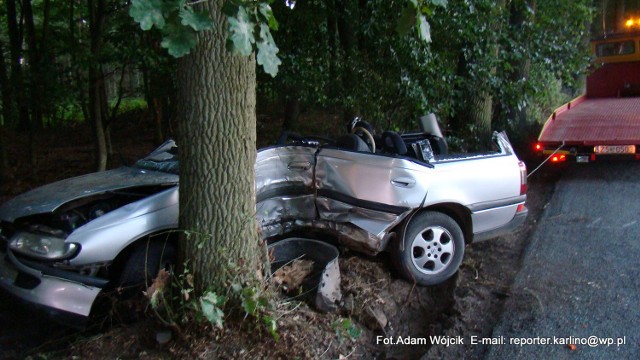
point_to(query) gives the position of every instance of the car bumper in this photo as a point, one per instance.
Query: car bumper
(63, 299)
(517, 220)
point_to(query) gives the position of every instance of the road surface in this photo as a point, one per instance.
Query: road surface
(577, 295)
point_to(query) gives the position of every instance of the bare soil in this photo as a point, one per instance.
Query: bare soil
(377, 303)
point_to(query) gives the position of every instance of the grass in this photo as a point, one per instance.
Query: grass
(71, 112)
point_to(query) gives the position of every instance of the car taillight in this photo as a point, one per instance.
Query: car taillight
(523, 177)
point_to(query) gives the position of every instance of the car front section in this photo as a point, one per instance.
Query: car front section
(64, 245)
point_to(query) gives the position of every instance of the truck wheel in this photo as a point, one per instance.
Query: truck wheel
(431, 249)
(143, 265)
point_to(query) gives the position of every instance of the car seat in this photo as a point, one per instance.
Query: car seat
(392, 143)
(429, 126)
(352, 142)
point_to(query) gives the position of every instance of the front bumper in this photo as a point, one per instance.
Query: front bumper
(59, 297)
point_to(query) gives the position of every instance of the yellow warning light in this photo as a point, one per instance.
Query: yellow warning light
(629, 23)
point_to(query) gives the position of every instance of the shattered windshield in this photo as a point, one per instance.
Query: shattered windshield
(164, 158)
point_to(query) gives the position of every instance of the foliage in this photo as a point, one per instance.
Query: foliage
(391, 79)
(249, 23)
(257, 305)
(346, 329)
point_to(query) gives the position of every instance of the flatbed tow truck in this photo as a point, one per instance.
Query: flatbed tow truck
(605, 120)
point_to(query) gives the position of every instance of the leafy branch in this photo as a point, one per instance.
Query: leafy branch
(250, 23)
(415, 14)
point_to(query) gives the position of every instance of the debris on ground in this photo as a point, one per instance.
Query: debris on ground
(290, 277)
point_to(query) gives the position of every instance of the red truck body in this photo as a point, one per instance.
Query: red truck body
(606, 119)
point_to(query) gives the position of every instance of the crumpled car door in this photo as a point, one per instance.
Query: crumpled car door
(284, 187)
(371, 191)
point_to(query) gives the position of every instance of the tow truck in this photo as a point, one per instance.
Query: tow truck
(605, 120)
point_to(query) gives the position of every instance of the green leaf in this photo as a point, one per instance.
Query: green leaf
(198, 21)
(267, 13)
(442, 3)
(272, 327)
(407, 21)
(267, 52)
(209, 305)
(414, 3)
(424, 29)
(241, 37)
(178, 40)
(147, 13)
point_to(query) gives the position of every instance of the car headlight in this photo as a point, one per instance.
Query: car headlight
(42, 246)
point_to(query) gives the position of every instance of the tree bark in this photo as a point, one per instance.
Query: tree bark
(348, 39)
(522, 66)
(8, 109)
(7, 112)
(96, 82)
(217, 135)
(17, 82)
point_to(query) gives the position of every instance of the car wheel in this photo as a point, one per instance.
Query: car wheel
(143, 265)
(431, 249)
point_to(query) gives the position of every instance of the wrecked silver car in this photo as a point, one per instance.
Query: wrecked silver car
(65, 243)
(402, 193)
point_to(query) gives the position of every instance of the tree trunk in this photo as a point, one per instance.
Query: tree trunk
(17, 82)
(519, 15)
(217, 136)
(8, 108)
(347, 38)
(7, 113)
(35, 65)
(96, 82)
(480, 109)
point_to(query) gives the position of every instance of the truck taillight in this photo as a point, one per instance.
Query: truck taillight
(523, 177)
(538, 147)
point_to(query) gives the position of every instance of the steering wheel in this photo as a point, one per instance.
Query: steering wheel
(372, 142)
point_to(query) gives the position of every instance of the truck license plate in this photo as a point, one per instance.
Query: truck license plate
(615, 149)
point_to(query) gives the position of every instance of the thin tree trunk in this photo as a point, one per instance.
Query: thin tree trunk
(7, 113)
(347, 41)
(35, 76)
(217, 112)
(15, 41)
(519, 15)
(96, 82)
(8, 108)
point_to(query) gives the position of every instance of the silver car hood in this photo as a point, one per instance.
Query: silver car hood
(48, 198)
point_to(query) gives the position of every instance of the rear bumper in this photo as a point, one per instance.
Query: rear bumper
(512, 225)
(64, 300)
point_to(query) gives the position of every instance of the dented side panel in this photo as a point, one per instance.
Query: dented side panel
(284, 187)
(372, 192)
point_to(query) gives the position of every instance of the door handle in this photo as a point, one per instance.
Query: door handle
(299, 165)
(406, 182)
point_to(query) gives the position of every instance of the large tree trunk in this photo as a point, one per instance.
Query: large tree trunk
(217, 136)
(96, 82)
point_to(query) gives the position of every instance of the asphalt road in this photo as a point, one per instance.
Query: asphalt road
(580, 276)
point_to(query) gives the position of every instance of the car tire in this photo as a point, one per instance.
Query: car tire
(431, 248)
(143, 265)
